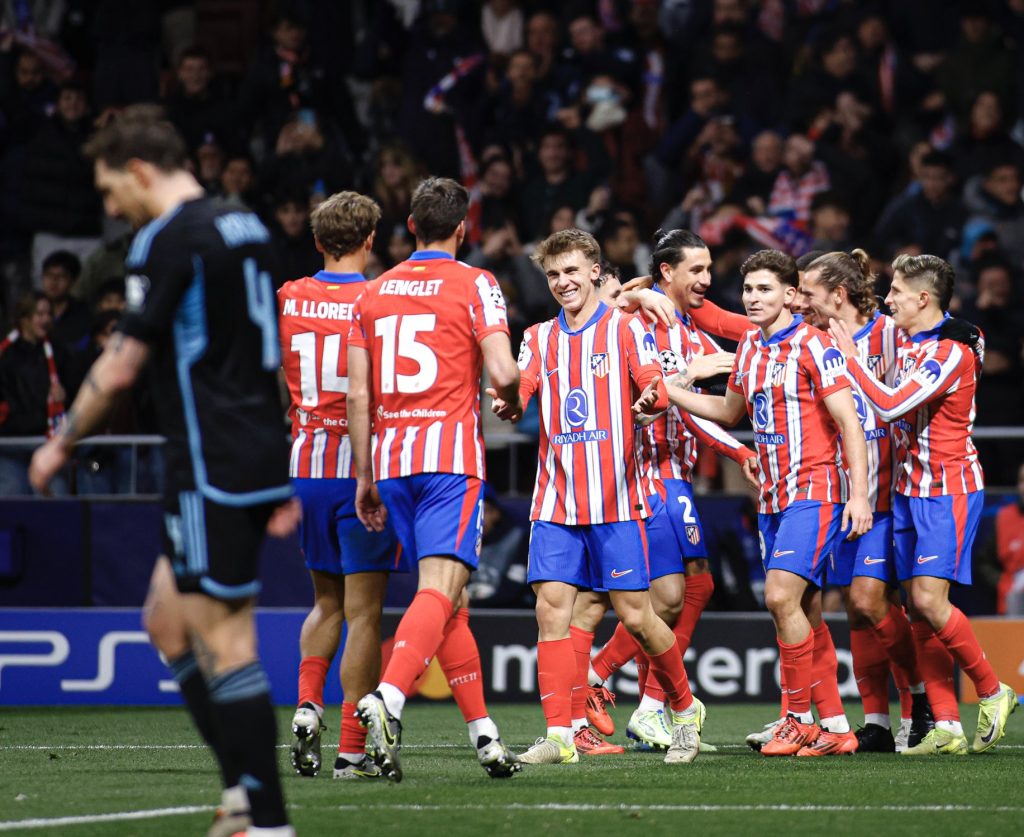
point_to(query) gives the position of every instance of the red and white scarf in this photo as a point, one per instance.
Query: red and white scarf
(54, 406)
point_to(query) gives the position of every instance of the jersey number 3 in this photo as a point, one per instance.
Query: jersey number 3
(330, 381)
(398, 338)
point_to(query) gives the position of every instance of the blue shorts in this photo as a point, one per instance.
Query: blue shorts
(799, 538)
(437, 514)
(871, 555)
(682, 511)
(331, 536)
(664, 553)
(603, 556)
(934, 535)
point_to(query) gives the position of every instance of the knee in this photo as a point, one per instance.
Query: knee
(166, 631)
(928, 605)
(634, 620)
(779, 602)
(550, 617)
(864, 608)
(668, 612)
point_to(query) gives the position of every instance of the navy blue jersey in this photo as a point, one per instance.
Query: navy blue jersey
(200, 294)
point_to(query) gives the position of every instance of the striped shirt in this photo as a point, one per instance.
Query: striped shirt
(586, 381)
(422, 323)
(672, 438)
(314, 316)
(930, 407)
(784, 381)
(877, 342)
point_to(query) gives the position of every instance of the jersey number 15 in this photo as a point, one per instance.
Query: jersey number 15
(398, 338)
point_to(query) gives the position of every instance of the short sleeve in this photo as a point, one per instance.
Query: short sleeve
(826, 366)
(356, 332)
(488, 308)
(158, 278)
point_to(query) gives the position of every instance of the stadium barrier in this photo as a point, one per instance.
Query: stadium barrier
(101, 656)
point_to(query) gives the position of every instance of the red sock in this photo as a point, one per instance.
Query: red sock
(667, 668)
(582, 642)
(871, 668)
(936, 667)
(312, 675)
(417, 638)
(695, 598)
(893, 633)
(353, 734)
(797, 660)
(903, 687)
(959, 639)
(824, 674)
(556, 672)
(643, 681)
(784, 700)
(617, 651)
(460, 661)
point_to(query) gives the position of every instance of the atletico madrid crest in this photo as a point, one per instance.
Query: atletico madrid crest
(599, 364)
(693, 534)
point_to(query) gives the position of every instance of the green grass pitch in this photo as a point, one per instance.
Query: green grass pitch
(62, 769)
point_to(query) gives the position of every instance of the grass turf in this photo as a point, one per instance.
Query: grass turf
(51, 766)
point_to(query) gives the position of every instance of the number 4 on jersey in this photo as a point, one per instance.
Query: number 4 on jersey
(304, 345)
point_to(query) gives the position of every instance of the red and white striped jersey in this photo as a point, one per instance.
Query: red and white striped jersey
(878, 342)
(314, 315)
(784, 380)
(588, 461)
(673, 437)
(422, 323)
(930, 408)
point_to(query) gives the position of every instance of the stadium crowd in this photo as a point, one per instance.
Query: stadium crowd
(799, 124)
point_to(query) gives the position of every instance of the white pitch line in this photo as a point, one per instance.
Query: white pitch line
(780, 808)
(88, 819)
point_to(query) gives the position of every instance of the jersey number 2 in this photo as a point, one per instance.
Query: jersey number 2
(304, 345)
(398, 337)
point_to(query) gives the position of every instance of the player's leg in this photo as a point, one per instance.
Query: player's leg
(797, 542)
(219, 583)
(870, 666)
(459, 658)
(557, 568)
(437, 518)
(700, 584)
(318, 643)
(587, 613)
(360, 668)
(618, 556)
(946, 528)
(164, 620)
(321, 630)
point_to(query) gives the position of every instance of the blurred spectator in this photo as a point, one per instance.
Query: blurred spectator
(501, 22)
(516, 111)
(833, 71)
(984, 136)
(397, 174)
(557, 82)
(209, 163)
(237, 179)
(293, 241)
(589, 56)
(801, 178)
(980, 61)
(830, 222)
(59, 202)
(754, 188)
(400, 244)
(994, 196)
(621, 247)
(556, 184)
(931, 215)
(109, 297)
(305, 160)
(105, 263)
(500, 578)
(32, 396)
(1000, 394)
(196, 106)
(524, 285)
(71, 319)
(498, 205)
(26, 96)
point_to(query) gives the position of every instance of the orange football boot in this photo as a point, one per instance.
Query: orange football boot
(831, 744)
(598, 698)
(589, 743)
(790, 737)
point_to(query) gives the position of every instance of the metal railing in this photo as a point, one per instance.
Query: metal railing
(495, 440)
